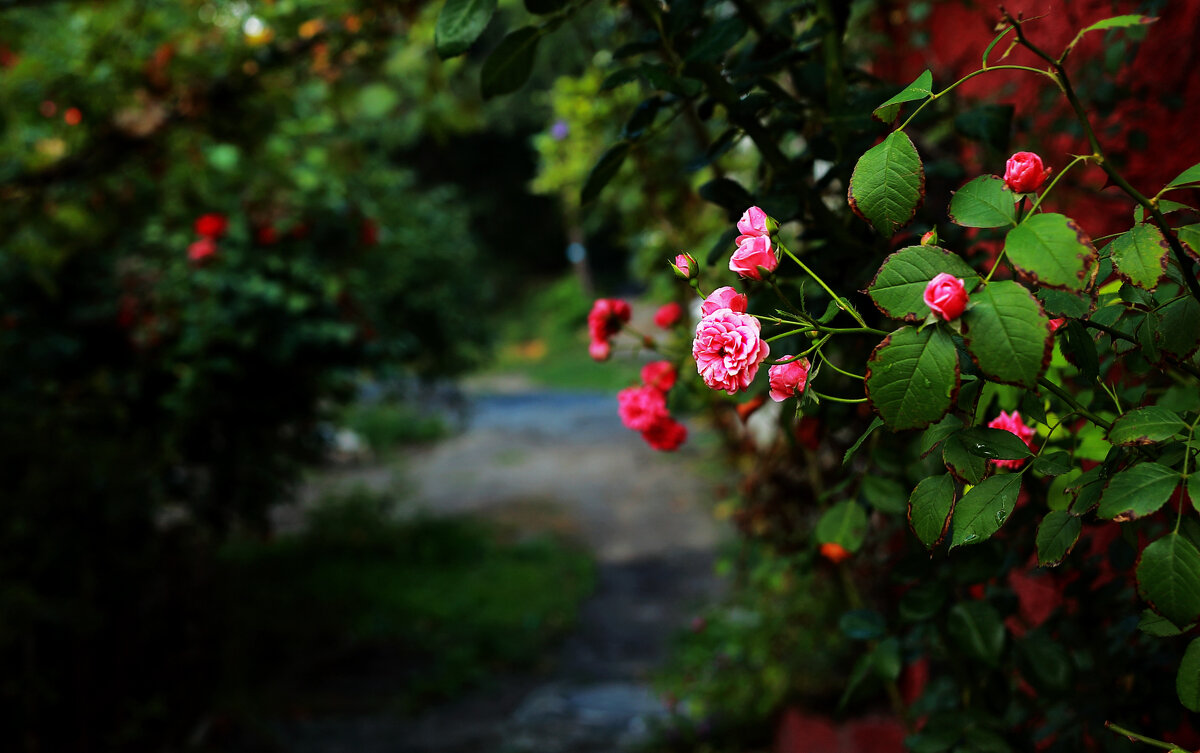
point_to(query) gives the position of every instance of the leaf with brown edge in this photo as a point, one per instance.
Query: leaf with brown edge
(1140, 256)
(1008, 334)
(913, 377)
(888, 184)
(1052, 250)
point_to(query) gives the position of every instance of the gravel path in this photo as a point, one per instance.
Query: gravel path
(541, 461)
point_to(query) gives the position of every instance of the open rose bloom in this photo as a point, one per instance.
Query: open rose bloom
(1024, 172)
(1015, 424)
(946, 296)
(724, 298)
(728, 350)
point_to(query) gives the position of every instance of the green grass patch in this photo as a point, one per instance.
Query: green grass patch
(386, 425)
(400, 613)
(545, 339)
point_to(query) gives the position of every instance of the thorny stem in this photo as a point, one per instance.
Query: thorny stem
(1150, 207)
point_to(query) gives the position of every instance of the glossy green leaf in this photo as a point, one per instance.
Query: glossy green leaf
(994, 444)
(1053, 464)
(1190, 175)
(885, 494)
(1079, 348)
(898, 289)
(912, 377)
(888, 184)
(1065, 303)
(1164, 205)
(919, 89)
(1140, 255)
(1145, 426)
(936, 434)
(984, 202)
(1116, 22)
(459, 24)
(1189, 236)
(1187, 680)
(983, 509)
(1138, 491)
(1157, 625)
(1168, 576)
(605, 169)
(1007, 334)
(976, 627)
(1056, 536)
(929, 508)
(1052, 250)
(508, 67)
(967, 466)
(844, 524)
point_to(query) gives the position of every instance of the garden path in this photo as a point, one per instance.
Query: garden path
(538, 460)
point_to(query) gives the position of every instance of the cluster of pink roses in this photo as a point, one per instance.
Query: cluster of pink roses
(209, 227)
(604, 321)
(728, 348)
(754, 252)
(644, 408)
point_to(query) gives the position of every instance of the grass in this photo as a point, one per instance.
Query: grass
(364, 610)
(386, 425)
(545, 339)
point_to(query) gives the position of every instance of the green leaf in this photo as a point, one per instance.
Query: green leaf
(1164, 205)
(1138, 491)
(898, 289)
(912, 377)
(983, 509)
(1064, 303)
(964, 464)
(1177, 327)
(544, 7)
(1187, 681)
(1140, 255)
(1116, 22)
(888, 184)
(984, 202)
(1168, 576)
(886, 661)
(1046, 662)
(929, 508)
(1080, 350)
(1189, 236)
(1157, 625)
(376, 101)
(875, 424)
(606, 169)
(884, 494)
(1145, 426)
(936, 434)
(1007, 334)
(1053, 464)
(1190, 175)
(712, 43)
(459, 24)
(919, 89)
(508, 67)
(726, 193)
(994, 444)
(1052, 250)
(978, 630)
(845, 524)
(1056, 536)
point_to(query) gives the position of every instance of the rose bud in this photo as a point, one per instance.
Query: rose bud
(930, 238)
(668, 315)
(724, 298)
(834, 552)
(946, 296)
(685, 266)
(754, 222)
(788, 379)
(211, 225)
(753, 252)
(1024, 172)
(201, 250)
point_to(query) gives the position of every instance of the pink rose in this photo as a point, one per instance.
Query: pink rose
(724, 298)
(788, 379)
(1015, 424)
(1024, 172)
(599, 350)
(202, 249)
(728, 350)
(685, 266)
(606, 317)
(640, 407)
(753, 222)
(211, 225)
(946, 296)
(753, 251)
(668, 315)
(1056, 323)
(665, 434)
(660, 375)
